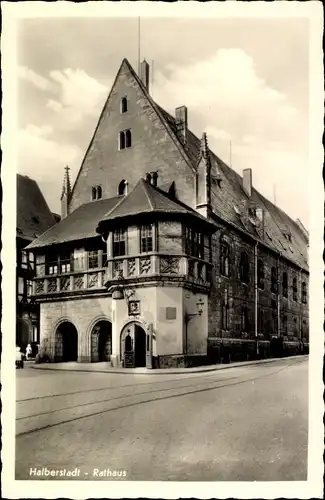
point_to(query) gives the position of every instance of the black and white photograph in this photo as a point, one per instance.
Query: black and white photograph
(163, 219)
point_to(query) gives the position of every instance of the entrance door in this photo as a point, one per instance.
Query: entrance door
(133, 346)
(140, 346)
(66, 342)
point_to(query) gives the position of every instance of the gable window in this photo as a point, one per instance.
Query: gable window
(274, 279)
(244, 268)
(146, 240)
(260, 274)
(285, 285)
(125, 139)
(93, 259)
(96, 192)
(128, 139)
(224, 258)
(303, 293)
(124, 105)
(122, 187)
(119, 239)
(122, 140)
(294, 289)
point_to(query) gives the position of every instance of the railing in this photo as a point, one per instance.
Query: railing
(78, 281)
(188, 269)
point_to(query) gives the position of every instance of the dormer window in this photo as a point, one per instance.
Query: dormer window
(125, 139)
(124, 105)
(96, 192)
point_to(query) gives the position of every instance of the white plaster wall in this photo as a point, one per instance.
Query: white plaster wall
(197, 327)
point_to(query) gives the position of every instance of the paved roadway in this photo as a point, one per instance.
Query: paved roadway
(243, 423)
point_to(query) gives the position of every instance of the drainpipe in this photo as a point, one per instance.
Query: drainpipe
(255, 294)
(300, 307)
(278, 297)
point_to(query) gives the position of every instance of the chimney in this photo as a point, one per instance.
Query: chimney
(144, 74)
(181, 121)
(247, 181)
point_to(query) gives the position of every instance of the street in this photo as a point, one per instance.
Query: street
(246, 423)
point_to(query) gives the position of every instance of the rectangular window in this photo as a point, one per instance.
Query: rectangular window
(29, 288)
(52, 267)
(65, 263)
(146, 241)
(119, 239)
(201, 245)
(188, 241)
(24, 259)
(93, 259)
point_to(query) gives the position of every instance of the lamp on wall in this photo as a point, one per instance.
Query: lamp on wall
(199, 305)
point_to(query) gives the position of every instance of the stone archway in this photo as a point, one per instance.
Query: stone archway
(133, 345)
(66, 342)
(101, 341)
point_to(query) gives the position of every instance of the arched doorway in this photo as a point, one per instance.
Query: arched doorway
(66, 342)
(101, 341)
(133, 346)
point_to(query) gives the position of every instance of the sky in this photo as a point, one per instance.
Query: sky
(244, 81)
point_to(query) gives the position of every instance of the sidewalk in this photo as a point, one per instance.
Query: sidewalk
(105, 368)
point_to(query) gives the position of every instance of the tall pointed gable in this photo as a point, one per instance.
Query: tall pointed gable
(107, 161)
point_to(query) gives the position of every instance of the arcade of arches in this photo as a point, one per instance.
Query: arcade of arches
(66, 342)
(101, 341)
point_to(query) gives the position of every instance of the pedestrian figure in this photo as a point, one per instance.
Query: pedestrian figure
(29, 351)
(19, 358)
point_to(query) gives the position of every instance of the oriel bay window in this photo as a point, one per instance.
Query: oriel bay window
(194, 243)
(146, 238)
(119, 242)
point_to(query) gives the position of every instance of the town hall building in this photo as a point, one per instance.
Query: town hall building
(164, 255)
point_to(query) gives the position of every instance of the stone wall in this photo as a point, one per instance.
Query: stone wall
(152, 148)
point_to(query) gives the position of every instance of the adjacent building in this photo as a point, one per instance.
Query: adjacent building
(33, 218)
(164, 255)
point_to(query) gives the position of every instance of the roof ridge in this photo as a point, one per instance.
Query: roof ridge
(145, 184)
(124, 61)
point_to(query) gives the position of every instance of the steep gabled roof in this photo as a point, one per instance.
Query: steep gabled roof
(79, 225)
(33, 214)
(164, 117)
(231, 195)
